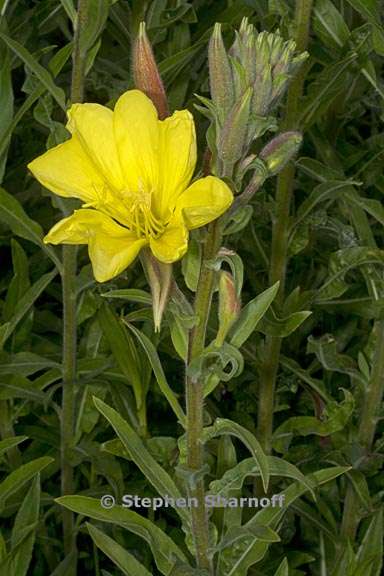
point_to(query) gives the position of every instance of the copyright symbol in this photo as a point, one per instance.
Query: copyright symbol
(107, 501)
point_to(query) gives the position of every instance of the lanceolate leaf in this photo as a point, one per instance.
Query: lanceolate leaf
(164, 550)
(121, 557)
(161, 481)
(26, 302)
(251, 315)
(154, 359)
(12, 214)
(42, 74)
(223, 426)
(15, 480)
(252, 550)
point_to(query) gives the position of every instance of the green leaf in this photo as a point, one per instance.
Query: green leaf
(329, 24)
(24, 363)
(69, 8)
(326, 87)
(251, 315)
(190, 264)
(224, 426)
(6, 106)
(123, 350)
(97, 14)
(24, 529)
(158, 371)
(55, 65)
(42, 74)
(16, 479)
(26, 302)
(271, 325)
(370, 552)
(131, 295)
(283, 569)
(335, 417)
(156, 475)
(234, 478)
(164, 549)
(330, 190)
(370, 10)
(340, 263)
(9, 443)
(250, 551)
(12, 214)
(119, 556)
(327, 354)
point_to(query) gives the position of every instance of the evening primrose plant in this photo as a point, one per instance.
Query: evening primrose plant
(132, 168)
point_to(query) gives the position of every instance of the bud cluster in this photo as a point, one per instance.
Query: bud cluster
(265, 62)
(247, 82)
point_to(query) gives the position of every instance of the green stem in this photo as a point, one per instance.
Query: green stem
(279, 257)
(374, 392)
(69, 317)
(195, 396)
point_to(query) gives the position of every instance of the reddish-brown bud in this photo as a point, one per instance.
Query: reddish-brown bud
(229, 306)
(146, 74)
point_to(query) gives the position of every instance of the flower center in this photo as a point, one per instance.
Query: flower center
(142, 221)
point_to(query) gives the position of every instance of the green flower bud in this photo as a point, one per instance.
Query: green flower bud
(159, 277)
(262, 92)
(229, 306)
(220, 74)
(280, 150)
(232, 137)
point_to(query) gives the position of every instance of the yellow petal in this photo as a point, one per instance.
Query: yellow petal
(172, 244)
(111, 247)
(93, 125)
(177, 157)
(67, 171)
(137, 139)
(204, 201)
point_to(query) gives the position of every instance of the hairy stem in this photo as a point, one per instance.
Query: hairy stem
(195, 396)
(279, 257)
(69, 316)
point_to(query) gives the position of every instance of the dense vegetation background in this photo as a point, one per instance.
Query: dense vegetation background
(330, 369)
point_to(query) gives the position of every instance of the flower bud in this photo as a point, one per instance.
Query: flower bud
(262, 92)
(232, 137)
(229, 306)
(159, 276)
(146, 74)
(220, 74)
(280, 150)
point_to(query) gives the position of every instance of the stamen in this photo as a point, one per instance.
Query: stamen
(141, 220)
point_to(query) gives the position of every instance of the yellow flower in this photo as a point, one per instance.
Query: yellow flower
(132, 171)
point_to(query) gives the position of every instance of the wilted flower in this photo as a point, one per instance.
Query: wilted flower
(132, 171)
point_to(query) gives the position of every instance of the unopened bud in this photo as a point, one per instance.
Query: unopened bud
(159, 276)
(262, 93)
(280, 150)
(146, 74)
(229, 306)
(220, 74)
(232, 138)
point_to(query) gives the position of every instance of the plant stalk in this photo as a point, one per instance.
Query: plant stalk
(375, 391)
(367, 428)
(69, 317)
(195, 396)
(280, 231)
